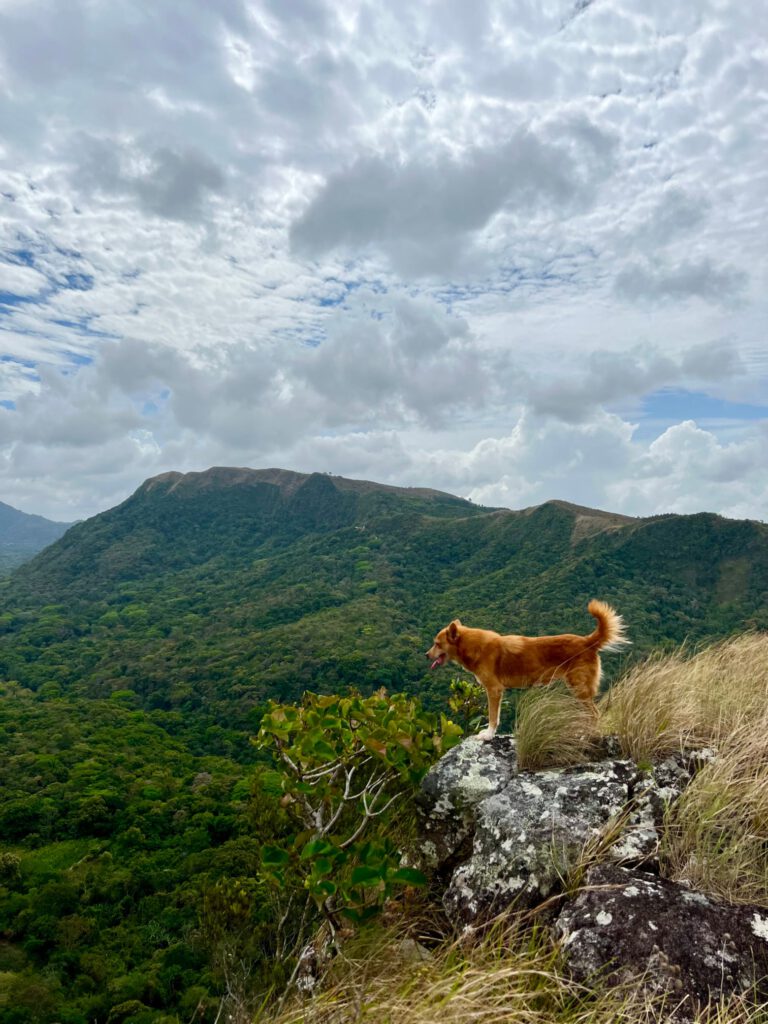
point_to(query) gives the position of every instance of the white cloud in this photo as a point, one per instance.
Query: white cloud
(19, 280)
(420, 214)
(608, 377)
(450, 244)
(700, 280)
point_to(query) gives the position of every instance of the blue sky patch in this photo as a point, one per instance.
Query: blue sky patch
(79, 282)
(663, 408)
(78, 358)
(28, 363)
(83, 326)
(23, 256)
(12, 299)
(679, 404)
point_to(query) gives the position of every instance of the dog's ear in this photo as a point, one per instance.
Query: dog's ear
(453, 630)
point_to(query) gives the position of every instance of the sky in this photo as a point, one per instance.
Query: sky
(511, 250)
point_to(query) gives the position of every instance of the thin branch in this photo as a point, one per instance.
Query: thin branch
(317, 773)
(375, 814)
(367, 817)
(375, 781)
(281, 930)
(344, 798)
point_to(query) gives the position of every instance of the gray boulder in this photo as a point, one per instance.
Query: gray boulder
(506, 837)
(652, 791)
(531, 832)
(631, 927)
(451, 793)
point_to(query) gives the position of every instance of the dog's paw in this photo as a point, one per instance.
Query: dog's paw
(486, 735)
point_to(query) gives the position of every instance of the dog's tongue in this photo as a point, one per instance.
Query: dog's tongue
(438, 661)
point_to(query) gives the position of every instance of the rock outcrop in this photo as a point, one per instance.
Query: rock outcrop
(502, 838)
(452, 793)
(627, 924)
(531, 833)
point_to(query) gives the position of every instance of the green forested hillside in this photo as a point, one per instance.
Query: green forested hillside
(215, 591)
(119, 853)
(137, 655)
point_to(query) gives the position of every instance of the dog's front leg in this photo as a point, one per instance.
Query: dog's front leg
(494, 711)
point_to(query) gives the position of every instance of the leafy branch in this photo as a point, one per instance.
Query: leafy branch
(342, 764)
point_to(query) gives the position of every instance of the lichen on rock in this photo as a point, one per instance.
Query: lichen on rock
(532, 832)
(630, 926)
(453, 790)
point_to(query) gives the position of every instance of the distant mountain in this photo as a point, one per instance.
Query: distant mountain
(214, 591)
(23, 535)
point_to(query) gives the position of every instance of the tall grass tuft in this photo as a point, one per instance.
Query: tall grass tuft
(716, 834)
(509, 977)
(678, 699)
(554, 728)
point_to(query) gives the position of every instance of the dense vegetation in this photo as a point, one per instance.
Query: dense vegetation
(211, 593)
(112, 834)
(138, 655)
(140, 882)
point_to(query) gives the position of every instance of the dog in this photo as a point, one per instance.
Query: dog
(500, 663)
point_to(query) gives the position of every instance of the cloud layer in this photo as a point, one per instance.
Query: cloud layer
(476, 247)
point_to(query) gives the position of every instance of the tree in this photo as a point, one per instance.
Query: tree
(343, 765)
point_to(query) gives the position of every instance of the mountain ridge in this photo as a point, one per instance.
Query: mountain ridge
(287, 480)
(23, 534)
(220, 590)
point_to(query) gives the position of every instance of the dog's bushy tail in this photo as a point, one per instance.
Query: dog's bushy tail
(610, 632)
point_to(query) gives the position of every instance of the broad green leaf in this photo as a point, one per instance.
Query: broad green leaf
(317, 848)
(325, 887)
(274, 856)
(365, 875)
(408, 876)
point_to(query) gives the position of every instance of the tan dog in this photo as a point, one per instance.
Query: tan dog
(509, 662)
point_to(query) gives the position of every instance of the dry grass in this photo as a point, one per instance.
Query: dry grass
(677, 699)
(508, 978)
(716, 834)
(553, 728)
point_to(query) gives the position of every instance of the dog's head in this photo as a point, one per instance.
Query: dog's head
(445, 645)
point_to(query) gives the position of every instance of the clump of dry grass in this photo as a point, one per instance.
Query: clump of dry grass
(554, 728)
(678, 699)
(716, 834)
(509, 976)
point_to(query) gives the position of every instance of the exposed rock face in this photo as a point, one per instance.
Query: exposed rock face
(653, 790)
(508, 837)
(505, 838)
(452, 792)
(628, 925)
(530, 833)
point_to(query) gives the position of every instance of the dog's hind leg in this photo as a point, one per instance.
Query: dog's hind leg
(584, 681)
